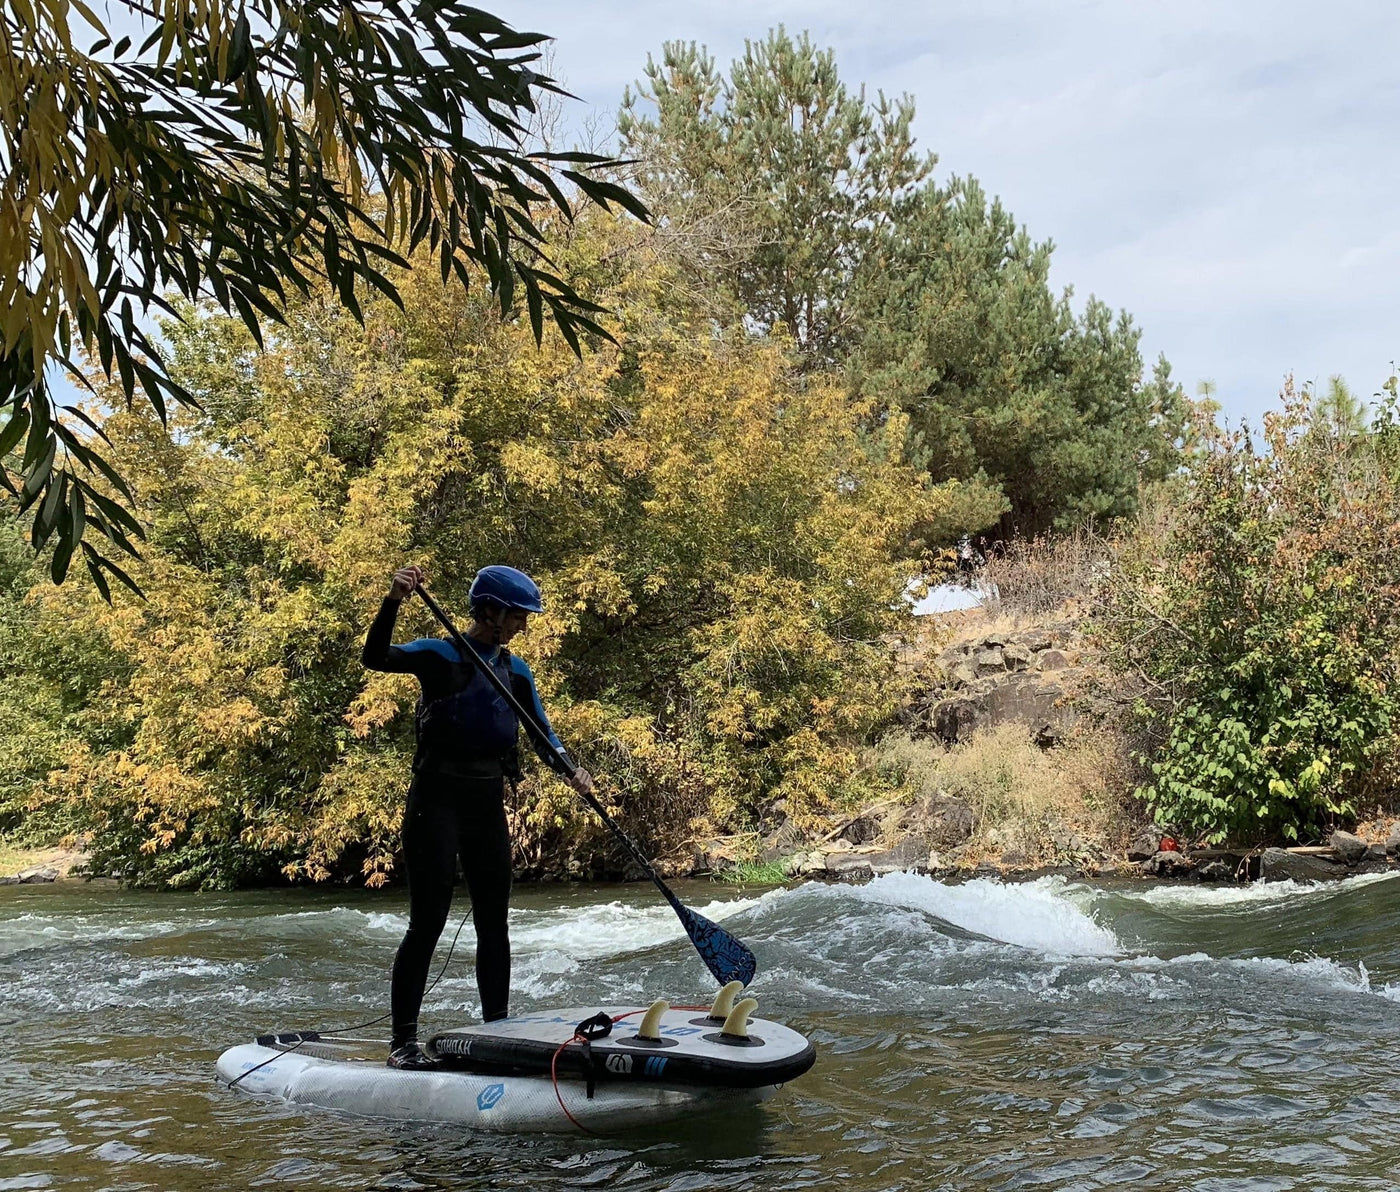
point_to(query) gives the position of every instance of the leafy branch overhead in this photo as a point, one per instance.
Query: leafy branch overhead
(236, 152)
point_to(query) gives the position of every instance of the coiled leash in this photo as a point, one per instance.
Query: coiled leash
(314, 1036)
(598, 1027)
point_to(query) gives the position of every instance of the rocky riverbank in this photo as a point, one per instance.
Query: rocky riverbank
(998, 712)
(38, 866)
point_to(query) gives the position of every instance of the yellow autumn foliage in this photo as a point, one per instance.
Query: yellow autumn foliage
(724, 544)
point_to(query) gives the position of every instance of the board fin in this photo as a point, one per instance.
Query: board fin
(724, 1001)
(736, 1026)
(650, 1029)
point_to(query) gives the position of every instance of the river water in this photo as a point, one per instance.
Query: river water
(1045, 1035)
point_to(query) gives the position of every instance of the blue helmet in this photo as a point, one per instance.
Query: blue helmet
(505, 587)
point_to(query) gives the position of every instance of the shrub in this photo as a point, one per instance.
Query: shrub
(1262, 614)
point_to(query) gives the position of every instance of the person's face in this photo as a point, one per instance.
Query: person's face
(512, 622)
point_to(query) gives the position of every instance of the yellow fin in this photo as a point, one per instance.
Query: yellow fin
(724, 1000)
(651, 1021)
(736, 1026)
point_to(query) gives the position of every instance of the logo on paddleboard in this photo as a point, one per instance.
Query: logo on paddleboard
(619, 1064)
(489, 1096)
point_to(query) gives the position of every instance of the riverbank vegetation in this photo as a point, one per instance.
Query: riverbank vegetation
(825, 366)
(1257, 603)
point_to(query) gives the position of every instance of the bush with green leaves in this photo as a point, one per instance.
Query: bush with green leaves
(1261, 612)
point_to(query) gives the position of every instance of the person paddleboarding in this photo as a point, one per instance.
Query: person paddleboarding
(467, 747)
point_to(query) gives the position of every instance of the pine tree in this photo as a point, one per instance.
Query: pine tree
(1000, 376)
(799, 171)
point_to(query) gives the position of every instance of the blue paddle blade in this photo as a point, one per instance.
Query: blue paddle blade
(725, 957)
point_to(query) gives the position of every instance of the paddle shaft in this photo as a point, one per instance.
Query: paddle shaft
(527, 717)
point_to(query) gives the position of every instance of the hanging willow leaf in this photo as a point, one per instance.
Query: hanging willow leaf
(240, 150)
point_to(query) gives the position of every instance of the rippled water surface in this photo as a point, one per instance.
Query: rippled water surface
(1046, 1035)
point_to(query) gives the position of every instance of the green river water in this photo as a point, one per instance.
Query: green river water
(1044, 1035)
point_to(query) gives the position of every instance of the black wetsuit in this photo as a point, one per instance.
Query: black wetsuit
(456, 809)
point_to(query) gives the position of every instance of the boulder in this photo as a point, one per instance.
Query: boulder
(1392, 844)
(1025, 699)
(850, 867)
(1037, 640)
(861, 830)
(1017, 657)
(804, 864)
(1051, 660)
(37, 876)
(944, 821)
(954, 720)
(1070, 844)
(1350, 848)
(1374, 860)
(1144, 845)
(714, 856)
(994, 641)
(907, 854)
(963, 675)
(1168, 864)
(1277, 865)
(989, 662)
(1217, 870)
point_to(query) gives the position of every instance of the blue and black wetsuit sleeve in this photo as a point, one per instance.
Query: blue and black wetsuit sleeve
(549, 747)
(430, 659)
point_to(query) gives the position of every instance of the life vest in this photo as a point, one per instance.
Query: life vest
(474, 723)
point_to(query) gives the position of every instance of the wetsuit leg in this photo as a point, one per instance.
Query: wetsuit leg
(430, 826)
(484, 840)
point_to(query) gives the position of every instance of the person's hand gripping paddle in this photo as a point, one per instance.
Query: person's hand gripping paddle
(727, 958)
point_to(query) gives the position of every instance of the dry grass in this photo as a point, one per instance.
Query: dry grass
(1037, 576)
(16, 858)
(1022, 796)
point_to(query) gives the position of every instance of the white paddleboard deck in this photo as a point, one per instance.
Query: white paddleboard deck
(633, 1083)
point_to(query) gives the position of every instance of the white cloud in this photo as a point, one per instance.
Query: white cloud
(1226, 172)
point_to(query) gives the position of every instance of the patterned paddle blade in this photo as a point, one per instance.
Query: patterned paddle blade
(725, 957)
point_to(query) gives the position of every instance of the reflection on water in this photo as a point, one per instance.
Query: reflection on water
(1045, 1035)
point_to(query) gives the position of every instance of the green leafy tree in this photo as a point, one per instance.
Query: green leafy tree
(243, 152)
(786, 172)
(1263, 614)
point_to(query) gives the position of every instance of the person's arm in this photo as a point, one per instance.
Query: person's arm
(547, 745)
(428, 658)
(379, 653)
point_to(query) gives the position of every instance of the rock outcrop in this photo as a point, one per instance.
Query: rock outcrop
(1001, 678)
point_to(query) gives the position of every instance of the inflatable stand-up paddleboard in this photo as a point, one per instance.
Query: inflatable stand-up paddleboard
(555, 1070)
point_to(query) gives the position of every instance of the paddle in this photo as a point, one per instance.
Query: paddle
(726, 957)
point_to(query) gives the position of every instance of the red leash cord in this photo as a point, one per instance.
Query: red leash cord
(580, 1037)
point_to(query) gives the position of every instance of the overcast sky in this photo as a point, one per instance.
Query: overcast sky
(1226, 171)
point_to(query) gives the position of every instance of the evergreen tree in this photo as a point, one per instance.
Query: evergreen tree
(813, 212)
(1338, 412)
(961, 329)
(797, 173)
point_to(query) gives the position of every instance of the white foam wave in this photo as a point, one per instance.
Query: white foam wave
(1035, 915)
(1153, 978)
(1208, 897)
(607, 929)
(385, 921)
(22, 932)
